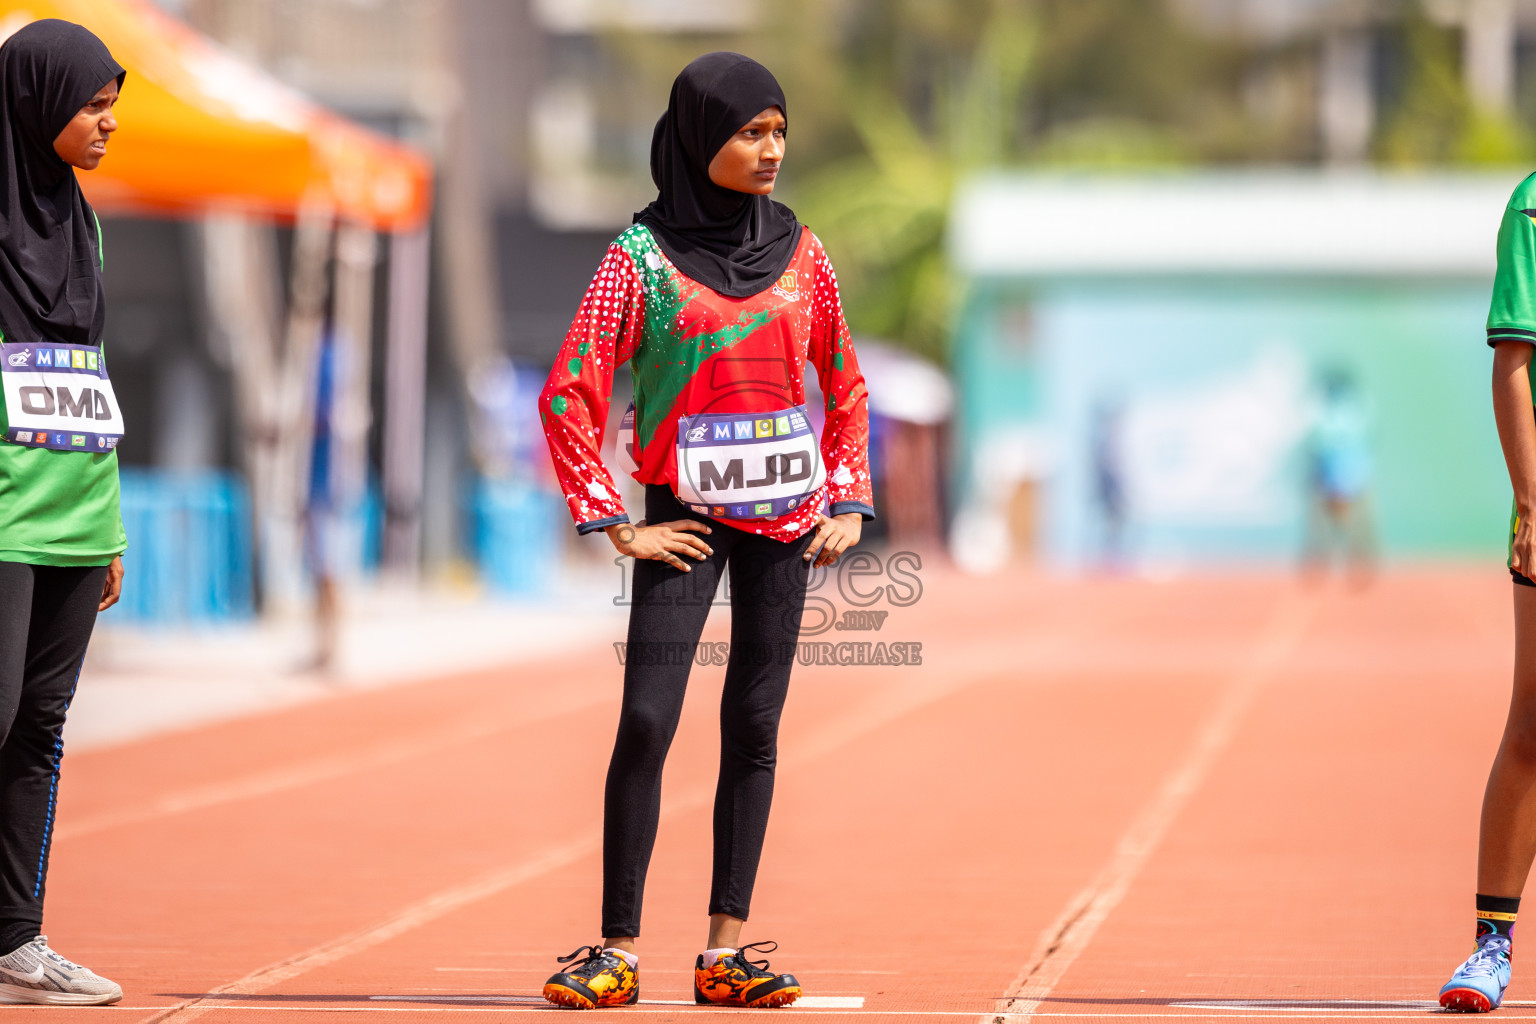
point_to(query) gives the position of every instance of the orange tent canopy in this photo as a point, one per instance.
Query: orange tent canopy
(201, 129)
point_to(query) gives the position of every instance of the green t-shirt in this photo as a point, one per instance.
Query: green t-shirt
(1512, 312)
(57, 507)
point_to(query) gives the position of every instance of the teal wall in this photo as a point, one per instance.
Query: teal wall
(1216, 378)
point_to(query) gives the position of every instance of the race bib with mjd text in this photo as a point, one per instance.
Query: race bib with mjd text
(748, 465)
(59, 396)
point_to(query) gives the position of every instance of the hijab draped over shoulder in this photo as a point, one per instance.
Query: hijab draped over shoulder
(50, 278)
(734, 242)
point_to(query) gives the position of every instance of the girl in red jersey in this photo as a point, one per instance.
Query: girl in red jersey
(718, 299)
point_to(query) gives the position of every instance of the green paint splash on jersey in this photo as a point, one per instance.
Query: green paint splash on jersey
(667, 361)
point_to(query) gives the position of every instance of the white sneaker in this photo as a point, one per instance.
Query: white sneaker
(36, 974)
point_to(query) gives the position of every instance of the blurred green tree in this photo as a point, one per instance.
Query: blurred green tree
(908, 97)
(920, 98)
(1428, 117)
(895, 101)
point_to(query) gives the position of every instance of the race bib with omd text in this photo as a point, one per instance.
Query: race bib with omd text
(58, 396)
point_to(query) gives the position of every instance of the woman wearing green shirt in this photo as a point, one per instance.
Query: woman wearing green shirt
(61, 536)
(1507, 832)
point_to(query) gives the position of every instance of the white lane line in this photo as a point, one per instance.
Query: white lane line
(783, 1010)
(404, 920)
(317, 770)
(799, 970)
(1064, 940)
(1310, 1006)
(871, 714)
(481, 998)
(803, 1003)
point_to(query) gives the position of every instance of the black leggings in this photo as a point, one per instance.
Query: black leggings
(768, 582)
(46, 617)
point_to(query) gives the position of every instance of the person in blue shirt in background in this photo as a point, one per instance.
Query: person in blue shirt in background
(1339, 471)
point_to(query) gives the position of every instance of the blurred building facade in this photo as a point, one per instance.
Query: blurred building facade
(1204, 337)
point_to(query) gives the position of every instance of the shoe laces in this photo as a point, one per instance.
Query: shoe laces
(594, 962)
(1487, 960)
(40, 947)
(754, 968)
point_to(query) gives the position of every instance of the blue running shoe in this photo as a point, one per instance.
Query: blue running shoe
(1478, 985)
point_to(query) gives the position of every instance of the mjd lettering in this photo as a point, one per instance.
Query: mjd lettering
(777, 468)
(89, 404)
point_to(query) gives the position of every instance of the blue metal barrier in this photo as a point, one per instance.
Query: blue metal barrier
(189, 547)
(517, 535)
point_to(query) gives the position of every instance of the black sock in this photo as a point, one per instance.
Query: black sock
(15, 934)
(1496, 915)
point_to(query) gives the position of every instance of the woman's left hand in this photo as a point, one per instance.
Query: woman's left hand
(112, 588)
(833, 537)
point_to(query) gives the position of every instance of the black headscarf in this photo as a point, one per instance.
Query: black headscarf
(734, 242)
(50, 280)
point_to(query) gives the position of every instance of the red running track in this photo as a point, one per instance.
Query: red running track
(1213, 799)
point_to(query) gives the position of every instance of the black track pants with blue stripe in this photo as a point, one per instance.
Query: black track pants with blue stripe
(46, 617)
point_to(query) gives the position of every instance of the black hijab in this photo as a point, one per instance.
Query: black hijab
(734, 242)
(50, 278)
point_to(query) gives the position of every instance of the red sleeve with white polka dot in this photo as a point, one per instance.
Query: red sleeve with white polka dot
(845, 437)
(574, 402)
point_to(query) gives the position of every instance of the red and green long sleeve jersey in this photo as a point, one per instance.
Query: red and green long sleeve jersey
(692, 350)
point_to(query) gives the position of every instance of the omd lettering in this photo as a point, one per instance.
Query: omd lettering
(86, 403)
